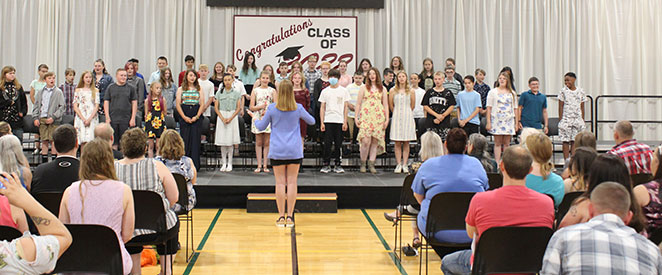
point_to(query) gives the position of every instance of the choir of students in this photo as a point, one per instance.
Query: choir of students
(370, 108)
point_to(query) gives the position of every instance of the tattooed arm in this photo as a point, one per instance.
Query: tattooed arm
(46, 222)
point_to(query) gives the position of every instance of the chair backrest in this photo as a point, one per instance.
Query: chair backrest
(68, 119)
(170, 122)
(50, 200)
(407, 195)
(511, 249)
(553, 126)
(8, 233)
(447, 212)
(495, 180)
(28, 125)
(95, 248)
(149, 210)
(640, 178)
(565, 205)
(183, 190)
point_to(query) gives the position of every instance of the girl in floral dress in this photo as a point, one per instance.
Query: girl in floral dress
(155, 110)
(261, 97)
(372, 119)
(86, 106)
(501, 110)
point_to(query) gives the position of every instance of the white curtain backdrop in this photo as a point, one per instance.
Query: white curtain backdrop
(612, 45)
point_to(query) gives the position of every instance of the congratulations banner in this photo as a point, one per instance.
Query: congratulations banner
(275, 39)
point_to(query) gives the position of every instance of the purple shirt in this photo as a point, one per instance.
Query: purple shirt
(285, 140)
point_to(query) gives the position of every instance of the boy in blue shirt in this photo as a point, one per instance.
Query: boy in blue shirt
(469, 105)
(533, 107)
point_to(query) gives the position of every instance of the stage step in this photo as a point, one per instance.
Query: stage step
(306, 203)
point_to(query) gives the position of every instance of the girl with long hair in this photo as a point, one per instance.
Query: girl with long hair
(427, 74)
(228, 106)
(101, 80)
(402, 101)
(217, 75)
(501, 118)
(301, 96)
(248, 73)
(188, 103)
(371, 119)
(261, 97)
(542, 179)
(13, 102)
(86, 106)
(155, 110)
(364, 66)
(168, 89)
(287, 153)
(396, 65)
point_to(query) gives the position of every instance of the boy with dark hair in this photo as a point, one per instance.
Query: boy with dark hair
(312, 74)
(48, 110)
(333, 116)
(189, 61)
(468, 107)
(161, 63)
(68, 88)
(57, 175)
(388, 79)
(482, 88)
(450, 82)
(451, 62)
(533, 107)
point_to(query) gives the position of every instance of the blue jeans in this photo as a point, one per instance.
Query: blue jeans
(457, 263)
(18, 133)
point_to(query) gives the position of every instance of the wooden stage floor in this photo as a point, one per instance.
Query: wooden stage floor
(352, 241)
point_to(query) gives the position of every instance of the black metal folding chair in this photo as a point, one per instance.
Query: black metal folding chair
(50, 201)
(150, 215)
(184, 214)
(406, 198)
(8, 233)
(95, 248)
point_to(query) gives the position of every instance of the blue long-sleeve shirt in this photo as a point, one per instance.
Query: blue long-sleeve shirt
(285, 140)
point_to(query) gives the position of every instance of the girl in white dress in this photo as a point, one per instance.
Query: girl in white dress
(501, 118)
(228, 106)
(86, 105)
(261, 97)
(402, 101)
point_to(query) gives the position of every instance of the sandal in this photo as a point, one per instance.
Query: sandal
(416, 242)
(280, 222)
(266, 170)
(258, 170)
(390, 218)
(289, 222)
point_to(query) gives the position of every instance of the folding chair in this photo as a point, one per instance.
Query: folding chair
(511, 249)
(495, 180)
(406, 198)
(184, 214)
(95, 248)
(150, 215)
(8, 233)
(50, 201)
(446, 212)
(565, 206)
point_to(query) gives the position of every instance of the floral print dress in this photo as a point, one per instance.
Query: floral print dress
(372, 118)
(503, 113)
(86, 103)
(154, 120)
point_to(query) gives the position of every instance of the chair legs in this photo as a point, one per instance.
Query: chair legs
(189, 233)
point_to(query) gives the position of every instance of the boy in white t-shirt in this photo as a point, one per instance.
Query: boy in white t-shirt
(206, 87)
(333, 115)
(353, 90)
(419, 113)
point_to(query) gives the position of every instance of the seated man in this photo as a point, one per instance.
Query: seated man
(455, 172)
(32, 254)
(57, 175)
(604, 244)
(637, 156)
(105, 132)
(511, 205)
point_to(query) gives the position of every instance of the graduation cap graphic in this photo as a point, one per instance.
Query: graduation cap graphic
(289, 53)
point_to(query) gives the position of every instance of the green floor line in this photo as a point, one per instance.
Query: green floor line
(395, 259)
(194, 258)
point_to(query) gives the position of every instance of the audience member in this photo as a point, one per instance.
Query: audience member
(142, 173)
(99, 198)
(12, 159)
(542, 179)
(637, 156)
(47, 113)
(431, 146)
(171, 153)
(13, 102)
(105, 132)
(605, 167)
(511, 205)
(583, 139)
(32, 254)
(649, 197)
(12, 216)
(604, 244)
(533, 107)
(57, 175)
(578, 168)
(121, 105)
(455, 172)
(5, 129)
(477, 148)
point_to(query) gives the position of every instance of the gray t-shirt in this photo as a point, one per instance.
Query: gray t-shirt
(119, 101)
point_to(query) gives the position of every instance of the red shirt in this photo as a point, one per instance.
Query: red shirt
(510, 206)
(6, 218)
(637, 156)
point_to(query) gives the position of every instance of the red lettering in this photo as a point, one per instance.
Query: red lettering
(239, 56)
(328, 57)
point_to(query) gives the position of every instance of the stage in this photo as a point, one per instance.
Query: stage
(215, 189)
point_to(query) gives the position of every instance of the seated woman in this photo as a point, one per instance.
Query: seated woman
(98, 198)
(142, 173)
(454, 172)
(12, 216)
(171, 153)
(605, 167)
(541, 178)
(477, 148)
(578, 166)
(431, 146)
(650, 199)
(12, 159)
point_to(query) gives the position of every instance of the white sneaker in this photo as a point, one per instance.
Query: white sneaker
(405, 169)
(229, 168)
(223, 168)
(398, 169)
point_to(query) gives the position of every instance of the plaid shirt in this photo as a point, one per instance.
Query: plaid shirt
(483, 90)
(68, 91)
(311, 77)
(637, 156)
(603, 245)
